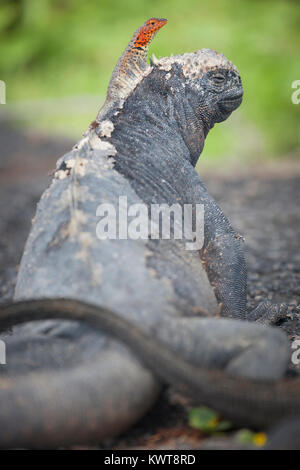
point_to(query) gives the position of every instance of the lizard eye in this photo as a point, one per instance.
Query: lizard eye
(218, 78)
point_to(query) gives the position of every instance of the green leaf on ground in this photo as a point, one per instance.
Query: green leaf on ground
(207, 420)
(245, 436)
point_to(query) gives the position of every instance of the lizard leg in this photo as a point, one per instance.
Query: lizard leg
(268, 313)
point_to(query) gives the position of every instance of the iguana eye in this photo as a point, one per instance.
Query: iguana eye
(218, 78)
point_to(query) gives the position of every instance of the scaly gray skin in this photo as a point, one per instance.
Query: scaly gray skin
(234, 397)
(87, 385)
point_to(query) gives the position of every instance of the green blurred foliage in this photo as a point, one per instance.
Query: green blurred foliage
(59, 48)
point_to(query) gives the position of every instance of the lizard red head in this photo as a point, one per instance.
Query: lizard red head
(148, 30)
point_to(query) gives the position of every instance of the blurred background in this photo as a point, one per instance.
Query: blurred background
(57, 57)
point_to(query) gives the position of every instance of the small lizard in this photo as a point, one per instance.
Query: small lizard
(130, 67)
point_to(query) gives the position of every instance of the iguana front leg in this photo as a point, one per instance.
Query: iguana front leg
(223, 257)
(268, 313)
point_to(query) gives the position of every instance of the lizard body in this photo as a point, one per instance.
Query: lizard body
(131, 66)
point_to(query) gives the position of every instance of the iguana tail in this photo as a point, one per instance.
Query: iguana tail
(257, 404)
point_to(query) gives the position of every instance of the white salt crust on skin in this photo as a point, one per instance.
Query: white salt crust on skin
(78, 164)
(105, 128)
(195, 64)
(91, 141)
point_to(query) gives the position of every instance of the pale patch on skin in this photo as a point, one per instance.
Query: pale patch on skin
(64, 201)
(77, 164)
(60, 174)
(97, 272)
(81, 143)
(73, 227)
(80, 166)
(106, 128)
(195, 64)
(77, 167)
(85, 194)
(107, 148)
(69, 230)
(86, 241)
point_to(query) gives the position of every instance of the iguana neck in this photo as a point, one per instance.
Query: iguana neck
(155, 133)
(160, 127)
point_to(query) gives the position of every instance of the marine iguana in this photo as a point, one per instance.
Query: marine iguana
(87, 385)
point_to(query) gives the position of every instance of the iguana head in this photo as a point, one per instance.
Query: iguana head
(213, 78)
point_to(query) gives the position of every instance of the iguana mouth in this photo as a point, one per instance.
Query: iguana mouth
(231, 102)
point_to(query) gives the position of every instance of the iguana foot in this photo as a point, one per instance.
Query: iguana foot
(268, 313)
